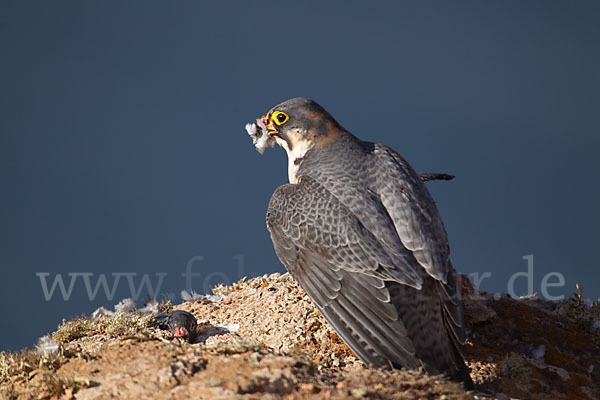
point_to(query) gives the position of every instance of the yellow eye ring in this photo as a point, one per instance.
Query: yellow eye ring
(279, 118)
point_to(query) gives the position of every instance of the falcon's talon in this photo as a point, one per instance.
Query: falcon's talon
(363, 237)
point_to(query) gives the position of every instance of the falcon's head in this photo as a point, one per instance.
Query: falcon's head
(298, 125)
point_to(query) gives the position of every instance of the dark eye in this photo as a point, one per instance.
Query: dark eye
(280, 117)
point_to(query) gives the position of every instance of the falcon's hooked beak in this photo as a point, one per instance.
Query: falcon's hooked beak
(271, 131)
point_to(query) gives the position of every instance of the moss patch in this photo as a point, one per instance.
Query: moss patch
(116, 325)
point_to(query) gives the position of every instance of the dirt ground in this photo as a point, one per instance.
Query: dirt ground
(263, 339)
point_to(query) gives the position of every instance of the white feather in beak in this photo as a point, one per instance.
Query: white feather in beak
(258, 132)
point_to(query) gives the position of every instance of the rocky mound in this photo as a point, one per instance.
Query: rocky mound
(262, 339)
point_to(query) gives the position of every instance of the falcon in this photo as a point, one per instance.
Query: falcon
(359, 231)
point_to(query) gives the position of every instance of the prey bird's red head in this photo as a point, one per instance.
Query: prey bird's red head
(180, 331)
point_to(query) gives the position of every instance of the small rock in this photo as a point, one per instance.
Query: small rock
(308, 388)
(164, 376)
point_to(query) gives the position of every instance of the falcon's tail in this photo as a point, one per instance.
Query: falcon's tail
(435, 327)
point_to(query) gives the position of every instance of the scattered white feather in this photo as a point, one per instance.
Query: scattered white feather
(151, 307)
(46, 345)
(101, 311)
(214, 298)
(221, 327)
(125, 305)
(185, 296)
(230, 327)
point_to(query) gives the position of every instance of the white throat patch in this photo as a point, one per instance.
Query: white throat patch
(299, 150)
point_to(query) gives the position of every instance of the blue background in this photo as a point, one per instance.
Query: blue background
(123, 150)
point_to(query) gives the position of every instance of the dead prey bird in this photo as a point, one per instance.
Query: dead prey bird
(182, 324)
